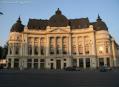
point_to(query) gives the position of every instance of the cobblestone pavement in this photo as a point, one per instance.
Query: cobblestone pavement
(58, 78)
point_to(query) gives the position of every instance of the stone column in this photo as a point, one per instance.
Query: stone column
(13, 52)
(77, 52)
(61, 52)
(32, 46)
(25, 48)
(55, 44)
(47, 45)
(70, 44)
(105, 61)
(83, 46)
(12, 62)
(77, 62)
(39, 47)
(84, 63)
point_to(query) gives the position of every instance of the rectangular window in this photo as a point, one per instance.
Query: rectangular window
(87, 62)
(101, 62)
(42, 60)
(108, 61)
(81, 63)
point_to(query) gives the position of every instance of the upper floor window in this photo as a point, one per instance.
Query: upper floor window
(58, 49)
(17, 48)
(64, 49)
(42, 50)
(51, 49)
(29, 50)
(80, 49)
(107, 50)
(87, 49)
(74, 49)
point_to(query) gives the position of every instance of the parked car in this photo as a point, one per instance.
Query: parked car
(72, 69)
(105, 69)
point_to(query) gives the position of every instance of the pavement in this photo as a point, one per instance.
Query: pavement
(58, 78)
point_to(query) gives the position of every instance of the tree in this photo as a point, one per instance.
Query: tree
(5, 50)
(1, 52)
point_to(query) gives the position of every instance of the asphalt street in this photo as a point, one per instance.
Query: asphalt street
(58, 79)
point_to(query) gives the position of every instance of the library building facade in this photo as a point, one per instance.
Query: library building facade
(60, 42)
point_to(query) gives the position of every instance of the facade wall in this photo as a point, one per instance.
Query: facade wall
(60, 47)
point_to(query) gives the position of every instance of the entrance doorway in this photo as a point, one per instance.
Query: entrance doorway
(58, 64)
(101, 62)
(51, 66)
(87, 62)
(81, 63)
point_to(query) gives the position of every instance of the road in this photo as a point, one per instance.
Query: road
(58, 79)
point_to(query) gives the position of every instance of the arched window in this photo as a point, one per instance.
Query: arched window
(80, 49)
(64, 49)
(42, 42)
(29, 50)
(58, 45)
(36, 48)
(87, 49)
(74, 49)
(17, 48)
(51, 45)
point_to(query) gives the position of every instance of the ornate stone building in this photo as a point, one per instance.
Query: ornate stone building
(60, 42)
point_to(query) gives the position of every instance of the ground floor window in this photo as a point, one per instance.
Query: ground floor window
(42, 63)
(29, 63)
(9, 63)
(87, 62)
(81, 62)
(108, 61)
(16, 63)
(74, 62)
(52, 66)
(101, 62)
(35, 63)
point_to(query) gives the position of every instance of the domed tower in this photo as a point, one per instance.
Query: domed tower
(18, 26)
(58, 20)
(15, 38)
(102, 38)
(100, 25)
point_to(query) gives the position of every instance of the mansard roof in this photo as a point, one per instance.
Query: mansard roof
(59, 20)
(37, 24)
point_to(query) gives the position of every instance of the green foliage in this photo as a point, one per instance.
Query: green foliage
(3, 51)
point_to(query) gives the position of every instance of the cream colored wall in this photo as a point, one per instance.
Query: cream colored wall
(95, 39)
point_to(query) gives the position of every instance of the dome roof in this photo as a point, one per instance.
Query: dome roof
(58, 20)
(100, 25)
(17, 27)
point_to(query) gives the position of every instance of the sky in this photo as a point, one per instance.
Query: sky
(44, 9)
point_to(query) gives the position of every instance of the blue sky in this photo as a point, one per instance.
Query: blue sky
(44, 9)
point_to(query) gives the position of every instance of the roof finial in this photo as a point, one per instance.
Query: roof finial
(58, 12)
(19, 20)
(99, 19)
